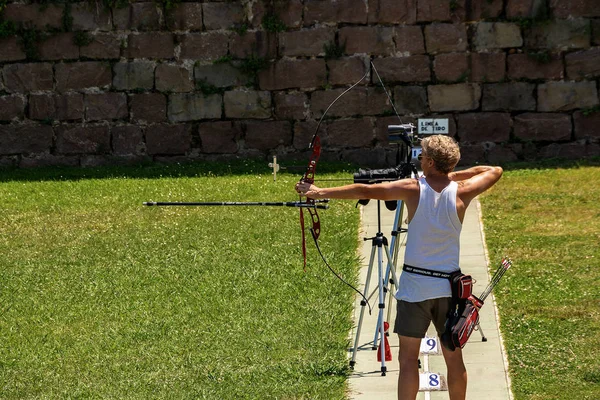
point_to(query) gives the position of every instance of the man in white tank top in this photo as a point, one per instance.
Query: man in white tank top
(436, 205)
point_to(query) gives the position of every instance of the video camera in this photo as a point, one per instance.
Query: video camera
(402, 135)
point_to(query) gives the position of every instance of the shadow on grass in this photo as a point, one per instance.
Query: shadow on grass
(235, 167)
(154, 170)
(552, 163)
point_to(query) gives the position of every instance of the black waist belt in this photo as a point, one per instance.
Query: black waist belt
(426, 272)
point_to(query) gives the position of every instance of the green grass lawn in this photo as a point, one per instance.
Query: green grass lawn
(548, 220)
(101, 297)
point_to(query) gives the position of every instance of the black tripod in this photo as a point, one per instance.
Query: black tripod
(380, 243)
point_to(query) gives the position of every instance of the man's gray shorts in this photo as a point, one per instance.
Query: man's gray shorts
(413, 319)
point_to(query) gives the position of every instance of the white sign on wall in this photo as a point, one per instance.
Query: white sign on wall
(433, 126)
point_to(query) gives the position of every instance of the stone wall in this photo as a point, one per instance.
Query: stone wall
(117, 81)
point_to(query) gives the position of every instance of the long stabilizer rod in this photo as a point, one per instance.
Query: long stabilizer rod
(238, 203)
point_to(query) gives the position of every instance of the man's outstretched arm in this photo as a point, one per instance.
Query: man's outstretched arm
(397, 190)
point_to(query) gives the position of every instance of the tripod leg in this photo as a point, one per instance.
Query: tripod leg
(362, 309)
(483, 338)
(381, 310)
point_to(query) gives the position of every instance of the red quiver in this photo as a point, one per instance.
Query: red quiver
(461, 323)
(464, 312)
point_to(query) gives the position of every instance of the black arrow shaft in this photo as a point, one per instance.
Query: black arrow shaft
(238, 203)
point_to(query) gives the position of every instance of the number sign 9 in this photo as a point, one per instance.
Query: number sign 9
(429, 345)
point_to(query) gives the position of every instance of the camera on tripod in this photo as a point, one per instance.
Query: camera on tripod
(402, 135)
(370, 176)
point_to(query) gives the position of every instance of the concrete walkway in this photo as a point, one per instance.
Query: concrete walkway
(485, 361)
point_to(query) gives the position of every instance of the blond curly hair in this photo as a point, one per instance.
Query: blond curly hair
(443, 150)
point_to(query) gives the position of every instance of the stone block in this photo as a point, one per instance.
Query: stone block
(484, 127)
(82, 75)
(193, 106)
(219, 137)
(288, 73)
(451, 67)
(488, 67)
(529, 66)
(497, 35)
(501, 153)
(82, 139)
(525, 8)
(347, 70)
(106, 106)
(88, 16)
(303, 134)
(458, 97)
(404, 69)
(138, 16)
(150, 45)
(306, 42)
(43, 107)
(471, 154)
(206, 46)
(356, 132)
(446, 38)
(220, 75)
(595, 31)
(392, 11)
(173, 78)
(583, 64)
(60, 46)
(254, 43)
(373, 157)
(478, 10)
(375, 40)
(268, 135)
(103, 46)
(98, 161)
(247, 104)
(574, 8)
(167, 139)
(222, 15)
(34, 16)
(565, 96)
(573, 150)
(133, 75)
(410, 100)
(148, 107)
(512, 96)
(12, 107)
(185, 17)
(24, 78)
(542, 127)
(433, 10)
(68, 106)
(409, 40)
(332, 12)
(359, 101)
(291, 105)
(127, 139)
(42, 160)
(347, 105)
(586, 126)
(560, 34)
(25, 139)
(11, 50)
